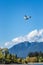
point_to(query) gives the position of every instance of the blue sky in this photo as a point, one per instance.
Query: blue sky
(12, 23)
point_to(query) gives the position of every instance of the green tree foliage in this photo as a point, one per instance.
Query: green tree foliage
(1, 55)
(6, 57)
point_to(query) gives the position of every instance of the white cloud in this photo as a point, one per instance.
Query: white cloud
(19, 39)
(8, 44)
(35, 35)
(32, 35)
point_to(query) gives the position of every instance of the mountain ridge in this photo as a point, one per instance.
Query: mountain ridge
(24, 48)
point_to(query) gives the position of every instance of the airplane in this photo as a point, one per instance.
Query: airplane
(27, 17)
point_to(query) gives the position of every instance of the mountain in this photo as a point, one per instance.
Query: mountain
(24, 48)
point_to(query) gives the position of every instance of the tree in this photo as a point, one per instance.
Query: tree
(19, 60)
(27, 59)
